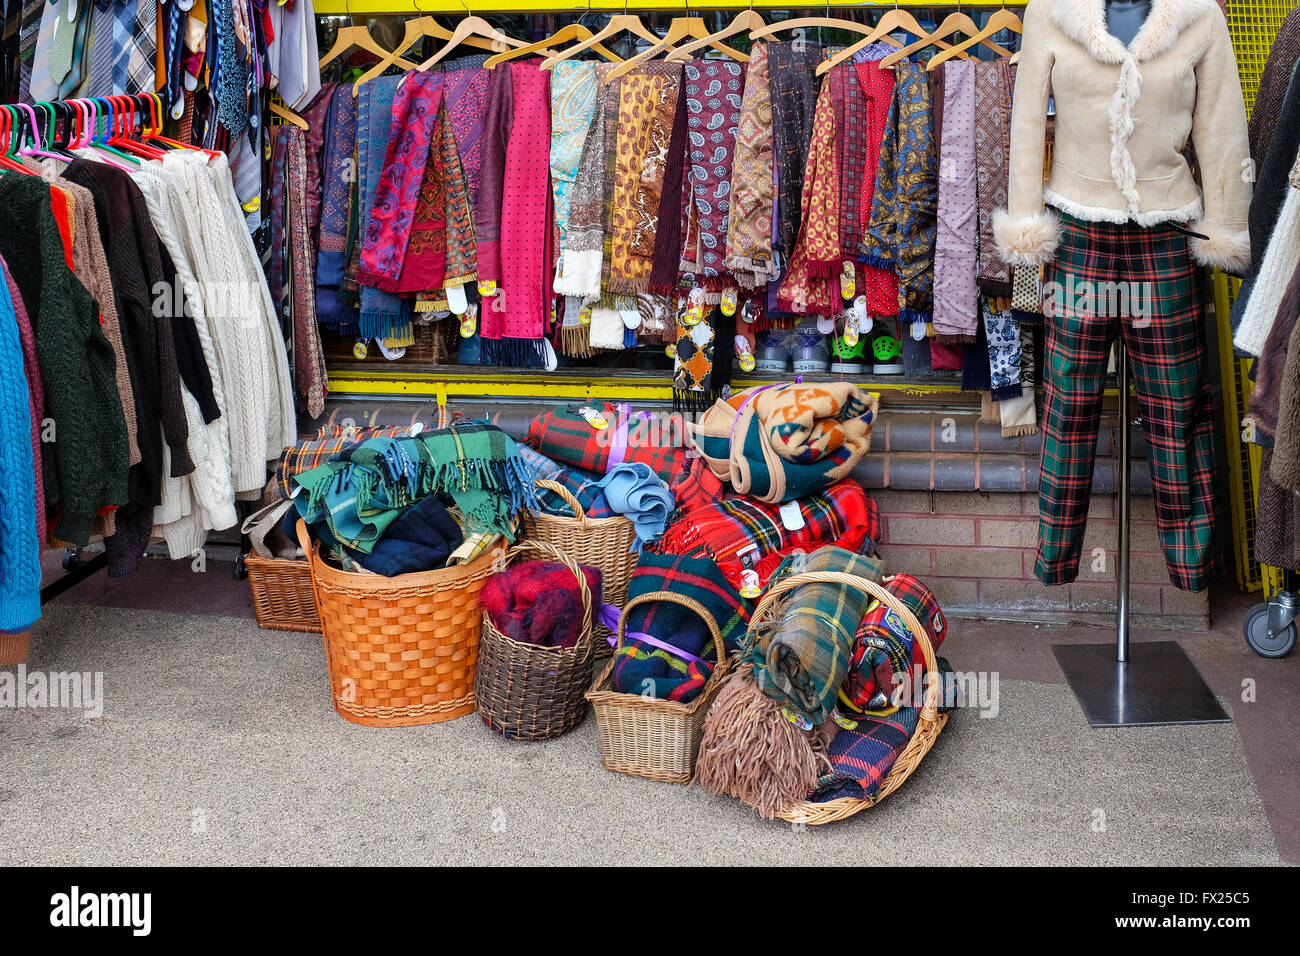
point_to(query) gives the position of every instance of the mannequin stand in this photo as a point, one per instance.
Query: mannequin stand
(1146, 684)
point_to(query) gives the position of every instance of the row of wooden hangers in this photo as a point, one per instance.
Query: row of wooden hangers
(476, 32)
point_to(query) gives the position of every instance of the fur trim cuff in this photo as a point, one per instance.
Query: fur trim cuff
(1026, 240)
(1226, 249)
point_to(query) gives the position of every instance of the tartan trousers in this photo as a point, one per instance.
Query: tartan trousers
(1138, 282)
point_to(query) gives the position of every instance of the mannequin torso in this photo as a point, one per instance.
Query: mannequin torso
(1124, 18)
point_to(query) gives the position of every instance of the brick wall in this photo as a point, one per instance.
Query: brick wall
(976, 551)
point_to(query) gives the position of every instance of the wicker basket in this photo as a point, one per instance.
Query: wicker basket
(400, 650)
(530, 692)
(769, 613)
(283, 599)
(604, 543)
(646, 736)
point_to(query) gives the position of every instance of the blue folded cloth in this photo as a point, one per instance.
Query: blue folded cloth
(633, 490)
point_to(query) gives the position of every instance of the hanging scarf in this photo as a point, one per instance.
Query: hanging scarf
(994, 81)
(811, 285)
(274, 259)
(310, 381)
(650, 192)
(512, 334)
(880, 286)
(749, 228)
(1019, 416)
(337, 178)
(388, 228)
(956, 292)
(850, 150)
(573, 104)
(714, 93)
(495, 137)
(465, 94)
(582, 250)
(902, 224)
(1003, 334)
(668, 238)
(702, 361)
(794, 86)
(316, 116)
(638, 104)
(383, 314)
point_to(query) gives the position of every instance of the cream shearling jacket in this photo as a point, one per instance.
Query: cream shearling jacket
(1124, 116)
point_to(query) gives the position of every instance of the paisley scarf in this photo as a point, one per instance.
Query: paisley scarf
(441, 250)
(880, 286)
(994, 81)
(573, 104)
(956, 293)
(810, 285)
(582, 250)
(465, 95)
(650, 203)
(638, 107)
(749, 228)
(794, 86)
(714, 94)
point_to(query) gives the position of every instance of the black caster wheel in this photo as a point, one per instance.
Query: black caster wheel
(1255, 629)
(71, 560)
(241, 569)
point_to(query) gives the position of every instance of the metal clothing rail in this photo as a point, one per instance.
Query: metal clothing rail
(341, 8)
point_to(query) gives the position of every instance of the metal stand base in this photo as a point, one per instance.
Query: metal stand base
(1158, 685)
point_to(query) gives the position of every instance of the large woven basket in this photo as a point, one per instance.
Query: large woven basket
(400, 650)
(648, 737)
(527, 691)
(604, 543)
(768, 615)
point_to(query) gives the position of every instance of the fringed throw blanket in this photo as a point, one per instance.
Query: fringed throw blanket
(802, 662)
(811, 285)
(885, 650)
(780, 442)
(749, 227)
(713, 90)
(365, 487)
(994, 81)
(880, 286)
(902, 225)
(956, 293)
(539, 602)
(794, 88)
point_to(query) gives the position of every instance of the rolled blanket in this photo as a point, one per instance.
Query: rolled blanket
(861, 758)
(803, 661)
(565, 436)
(539, 602)
(885, 648)
(633, 490)
(780, 442)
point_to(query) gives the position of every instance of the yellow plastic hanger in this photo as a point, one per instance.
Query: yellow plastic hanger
(953, 23)
(574, 31)
(472, 30)
(892, 20)
(1001, 20)
(679, 29)
(745, 20)
(618, 23)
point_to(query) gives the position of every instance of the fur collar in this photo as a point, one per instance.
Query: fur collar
(1084, 21)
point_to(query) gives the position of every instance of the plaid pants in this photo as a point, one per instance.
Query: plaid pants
(1141, 283)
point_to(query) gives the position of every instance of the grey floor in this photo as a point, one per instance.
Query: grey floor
(218, 744)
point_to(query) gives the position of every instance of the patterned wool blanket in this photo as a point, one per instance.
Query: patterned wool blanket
(568, 438)
(780, 442)
(885, 648)
(861, 758)
(539, 602)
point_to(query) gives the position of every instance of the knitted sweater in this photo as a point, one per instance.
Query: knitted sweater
(35, 392)
(85, 467)
(20, 563)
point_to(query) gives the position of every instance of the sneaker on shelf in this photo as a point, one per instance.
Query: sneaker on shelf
(848, 359)
(809, 350)
(888, 352)
(773, 351)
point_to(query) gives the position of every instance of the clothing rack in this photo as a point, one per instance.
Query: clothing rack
(352, 8)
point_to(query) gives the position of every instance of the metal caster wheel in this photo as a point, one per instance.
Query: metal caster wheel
(241, 569)
(1255, 627)
(71, 560)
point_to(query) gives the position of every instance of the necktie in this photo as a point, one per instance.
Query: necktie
(140, 71)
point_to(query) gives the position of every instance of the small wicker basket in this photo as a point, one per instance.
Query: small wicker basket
(400, 650)
(604, 543)
(769, 613)
(648, 737)
(527, 691)
(283, 599)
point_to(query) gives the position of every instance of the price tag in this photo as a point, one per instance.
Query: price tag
(848, 285)
(469, 322)
(487, 287)
(729, 301)
(360, 351)
(749, 584)
(843, 721)
(918, 330)
(670, 350)
(584, 315)
(791, 516)
(799, 720)
(594, 418)
(825, 324)
(456, 300)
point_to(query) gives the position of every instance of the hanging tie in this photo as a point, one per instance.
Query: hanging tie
(141, 70)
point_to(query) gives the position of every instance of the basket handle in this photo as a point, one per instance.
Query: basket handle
(259, 524)
(566, 496)
(540, 549)
(930, 708)
(684, 601)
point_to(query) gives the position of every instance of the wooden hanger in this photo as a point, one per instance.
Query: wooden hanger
(415, 31)
(679, 29)
(574, 31)
(618, 23)
(745, 20)
(953, 23)
(278, 108)
(473, 30)
(890, 21)
(1001, 20)
(359, 37)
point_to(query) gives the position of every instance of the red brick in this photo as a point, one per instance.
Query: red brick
(954, 593)
(908, 558)
(1144, 568)
(937, 530)
(1010, 533)
(1023, 596)
(977, 563)
(977, 503)
(893, 502)
(1191, 603)
(1101, 597)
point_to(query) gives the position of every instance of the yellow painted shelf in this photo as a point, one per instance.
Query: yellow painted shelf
(421, 7)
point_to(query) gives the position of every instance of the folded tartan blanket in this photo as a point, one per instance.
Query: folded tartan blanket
(885, 649)
(742, 533)
(780, 442)
(539, 602)
(362, 490)
(861, 758)
(567, 438)
(421, 538)
(307, 454)
(804, 660)
(644, 668)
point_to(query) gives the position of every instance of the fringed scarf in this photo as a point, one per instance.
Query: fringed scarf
(956, 293)
(794, 86)
(850, 152)
(310, 381)
(668, 238)
(880, 286)
(573, 104)
(388, 227)
(702, 362)
(1019, 416)
(650, 203)
(749, 228)
(714, 92)
(512, 334)
(495, 136)
(994, 81)
(902, 224)
(1003, 335)
(613, 123)
(811, 285)
(465, 96)
(582, 249)
(383, 314)
(338, 189)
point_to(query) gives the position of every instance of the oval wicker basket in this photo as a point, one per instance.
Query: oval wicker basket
(648, 737)
(400, 650)
(768, 614)
(604, 543)
(283, 598)
(527, 691)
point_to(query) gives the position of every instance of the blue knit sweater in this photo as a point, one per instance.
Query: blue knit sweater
(20, 556)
